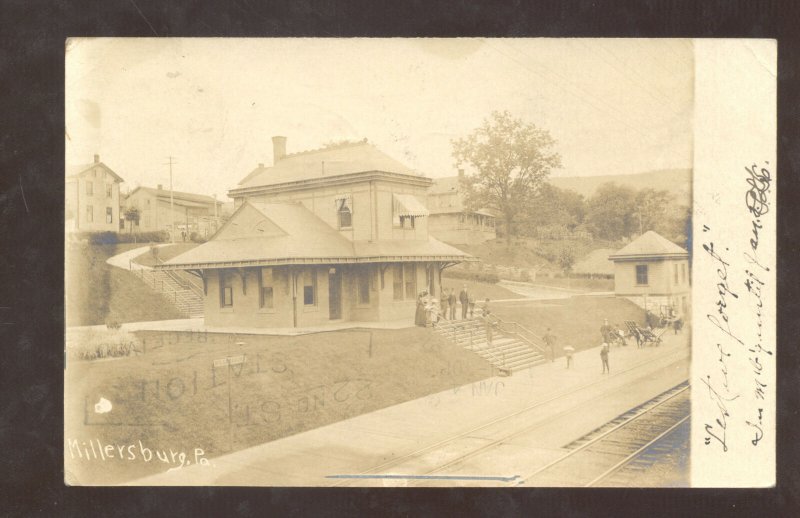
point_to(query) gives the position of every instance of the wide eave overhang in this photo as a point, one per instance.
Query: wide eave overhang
(300, 261)
(647, 257)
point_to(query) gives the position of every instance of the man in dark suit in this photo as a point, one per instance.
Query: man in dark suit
(451, 300)
(463, 297)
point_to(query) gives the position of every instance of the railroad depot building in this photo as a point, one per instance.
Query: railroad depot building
(339, 233)
(653, 272)
(450, 221)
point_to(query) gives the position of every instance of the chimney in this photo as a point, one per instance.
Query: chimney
(96, 159)
(278, 148)
(461, 173)
(261, 165)
(160, 187)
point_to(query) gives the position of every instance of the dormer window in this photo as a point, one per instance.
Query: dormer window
(405, 209)
(406, 222)
(344, 212)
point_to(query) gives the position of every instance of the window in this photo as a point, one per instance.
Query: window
(109, 190)
(344, 213)
(310, 288)
(683, 272)
(400, 221)
(89, 213)
(676, 273)
(109, 215)
(362, 279)
(90, 188)
(147, 203)
(641, 274)
(410, 278)
(406, 221)
(225, 290)
(266, 293)
(397, 282)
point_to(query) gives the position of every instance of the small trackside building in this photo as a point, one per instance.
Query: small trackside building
(653, 272)
(338, 234)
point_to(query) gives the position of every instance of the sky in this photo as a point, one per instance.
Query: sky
(613, 106)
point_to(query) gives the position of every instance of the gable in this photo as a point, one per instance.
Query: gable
(86, 171)
(248, 222)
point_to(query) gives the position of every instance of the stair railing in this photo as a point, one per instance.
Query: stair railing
(522, 333)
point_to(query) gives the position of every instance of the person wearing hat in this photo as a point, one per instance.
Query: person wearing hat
(568, 350)
(463, 298)
(606, 331)
(550, 341)
(604, 357)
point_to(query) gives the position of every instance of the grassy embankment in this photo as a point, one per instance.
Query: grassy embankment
(538, 254)
(97, 293)
(170, 396)
(574, 321)
(481, 290)
(165, 253)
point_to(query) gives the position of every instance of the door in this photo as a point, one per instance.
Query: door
(335, 293)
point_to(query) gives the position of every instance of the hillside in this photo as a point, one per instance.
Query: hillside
(97, 292)
(677, 181)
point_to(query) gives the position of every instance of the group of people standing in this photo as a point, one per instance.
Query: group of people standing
(431, 309)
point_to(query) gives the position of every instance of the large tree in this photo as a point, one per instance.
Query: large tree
(654, 210)
(554, 207)
(508, 160)
(610, 211)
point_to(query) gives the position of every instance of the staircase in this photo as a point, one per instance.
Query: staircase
(183, 293)
(513, 347)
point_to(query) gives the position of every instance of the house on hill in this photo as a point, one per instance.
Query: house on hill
(653, 272)
(449, 219)
(162, 209)
(335, 234)
(92, 198)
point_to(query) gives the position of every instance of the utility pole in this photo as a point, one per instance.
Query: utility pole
(171, 202)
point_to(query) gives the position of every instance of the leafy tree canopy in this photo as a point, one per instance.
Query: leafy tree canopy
(508, 161)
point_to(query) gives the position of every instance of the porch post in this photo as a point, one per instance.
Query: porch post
(294, 295)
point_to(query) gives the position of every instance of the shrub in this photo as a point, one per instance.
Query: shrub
(197, 238)
(487, 277)
(113, 238)
(92, 344)
(103, 238)
(113, 325)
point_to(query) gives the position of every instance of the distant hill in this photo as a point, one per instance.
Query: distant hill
(677, 181)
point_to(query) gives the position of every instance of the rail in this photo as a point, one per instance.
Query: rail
(151, 279)
(470, 325)
(531, 338)
(662, 399)
(188, 284)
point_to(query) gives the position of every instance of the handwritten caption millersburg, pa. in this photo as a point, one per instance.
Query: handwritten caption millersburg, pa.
(738, 320)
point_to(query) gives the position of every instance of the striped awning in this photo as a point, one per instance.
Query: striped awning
(406, 205)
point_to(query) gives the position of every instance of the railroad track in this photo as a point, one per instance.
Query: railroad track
(656, 465)
(421, 452)
(603, 454)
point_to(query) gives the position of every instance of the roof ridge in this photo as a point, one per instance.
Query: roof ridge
(327, 148)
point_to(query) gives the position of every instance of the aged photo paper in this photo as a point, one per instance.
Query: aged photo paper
(470, 262)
